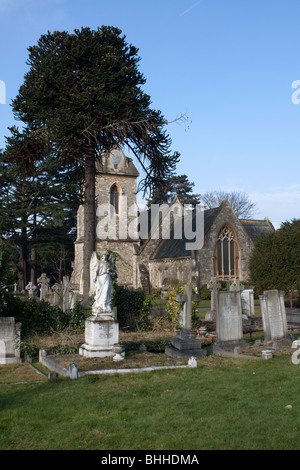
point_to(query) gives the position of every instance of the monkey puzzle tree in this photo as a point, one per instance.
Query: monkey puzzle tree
(84, 90)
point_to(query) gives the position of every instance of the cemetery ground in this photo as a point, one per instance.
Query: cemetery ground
(225, 403)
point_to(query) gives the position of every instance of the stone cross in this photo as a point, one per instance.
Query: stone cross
(187, 298)
(68, 297)
(214, 285)
(236, 286)
(44, 282)
(31, 289)
(56, 289)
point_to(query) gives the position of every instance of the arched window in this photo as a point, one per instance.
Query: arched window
(226, 254)
(115, 198)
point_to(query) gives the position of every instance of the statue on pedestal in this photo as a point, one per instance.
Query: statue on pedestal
(101, 285)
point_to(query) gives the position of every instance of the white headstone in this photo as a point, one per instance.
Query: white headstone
(247, 298)
(229, 319)
(273, 315)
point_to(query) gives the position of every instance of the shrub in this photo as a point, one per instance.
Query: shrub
(205, 293)
(133, 308)
(173, 307)
(41, 317)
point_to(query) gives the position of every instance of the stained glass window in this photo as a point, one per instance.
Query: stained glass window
(226, 254)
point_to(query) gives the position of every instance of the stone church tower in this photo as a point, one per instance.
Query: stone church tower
(148, 261)
(116, 217)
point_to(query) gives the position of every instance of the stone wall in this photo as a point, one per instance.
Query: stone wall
(205, 257)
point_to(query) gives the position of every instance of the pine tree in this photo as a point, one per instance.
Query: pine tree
(84, 91)
(35, 203)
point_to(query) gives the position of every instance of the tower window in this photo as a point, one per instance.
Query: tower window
(115, 199)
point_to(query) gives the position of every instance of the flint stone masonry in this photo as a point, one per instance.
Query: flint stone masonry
(9, 341)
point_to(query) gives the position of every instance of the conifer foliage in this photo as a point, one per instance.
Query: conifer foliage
(84, 90)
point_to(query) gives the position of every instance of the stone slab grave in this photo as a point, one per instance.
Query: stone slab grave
(9, 340)
(274, 316)
(229, 325)
(186, 344)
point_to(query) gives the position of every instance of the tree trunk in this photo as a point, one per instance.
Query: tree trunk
(23, 261)
(89, 221)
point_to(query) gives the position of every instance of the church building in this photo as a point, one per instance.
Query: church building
(151, 251)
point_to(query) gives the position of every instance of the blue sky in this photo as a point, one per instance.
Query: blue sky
(227, 65)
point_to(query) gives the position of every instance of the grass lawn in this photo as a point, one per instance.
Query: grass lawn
(224, 403)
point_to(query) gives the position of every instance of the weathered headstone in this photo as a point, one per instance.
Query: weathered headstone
(213, 285)
(9, 340)
(186, 343)
(68, 297)
(247, 298)
(229, 320)
(44, 286)
(31, 288)
(57, 294)
(236, 286)
(273, 315)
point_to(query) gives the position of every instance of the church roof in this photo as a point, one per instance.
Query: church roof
(255, 227)
(173, 248)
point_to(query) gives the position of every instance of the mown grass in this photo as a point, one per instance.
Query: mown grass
(225, 403)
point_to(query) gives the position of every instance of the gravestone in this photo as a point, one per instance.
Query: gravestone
(44, 286)
(229, 325)
(57, 295)
(9, 341)
(68, 297)
(273, 315)
(186, 344)
(213, 285)
(236, 286)
(247, 298)
(31, 289)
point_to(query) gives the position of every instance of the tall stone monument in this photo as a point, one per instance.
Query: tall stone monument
(229, 320)
(102, 327)
(186, 343)
(273, 315)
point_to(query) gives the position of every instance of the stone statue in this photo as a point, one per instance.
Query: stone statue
(101, 285)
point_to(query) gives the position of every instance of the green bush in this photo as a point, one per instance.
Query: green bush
(77, 317)
(205, 293)
(133, 308)
(173, 307)
(40, 317)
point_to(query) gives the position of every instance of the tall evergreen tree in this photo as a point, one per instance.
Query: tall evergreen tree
(34, 204)
(275, 261)
(84, 90)
(175, 185)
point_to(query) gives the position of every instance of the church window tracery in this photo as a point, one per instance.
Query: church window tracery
(226, 254)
